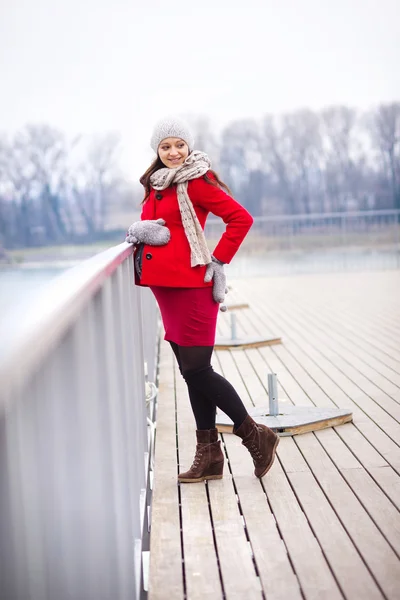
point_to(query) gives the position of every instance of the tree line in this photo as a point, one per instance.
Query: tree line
(54, 190)
(336, 159)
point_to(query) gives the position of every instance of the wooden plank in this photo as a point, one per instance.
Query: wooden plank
(368, 455)
(363, 321)
(371, 544)
(237, 569)
(340, 383)
(225, 364)
(238, 572)
(369, 368)
(364, 486)
(359, 383)
(309, 563)
(361, 446)
(389, 481)
(355, 312)
(260, 370)
(337, 451)
(362, 420)
(165, 573)
(290, 457)
(246, 335)
(347, 317)
(350, 571)
(294, 370)
(276, 573)
(370, 356)
(381, 510)
(340, 499)
(255, 387)
(289, 386)
(379, 507)
(200, 559)
(378, 437)
(323, 388)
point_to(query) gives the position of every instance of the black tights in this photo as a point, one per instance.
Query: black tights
(207, 389)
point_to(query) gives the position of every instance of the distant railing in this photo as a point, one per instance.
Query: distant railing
(74, 443)
(316, 242)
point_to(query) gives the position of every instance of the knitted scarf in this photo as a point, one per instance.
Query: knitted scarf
(195, 166)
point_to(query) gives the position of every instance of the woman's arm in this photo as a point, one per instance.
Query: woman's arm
(238, 220)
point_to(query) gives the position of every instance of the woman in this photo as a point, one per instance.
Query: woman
(173, 259)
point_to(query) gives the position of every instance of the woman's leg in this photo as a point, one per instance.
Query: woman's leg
(205, 384)
(203, 381)
(204, 409)
(208, 462)
(259, 439)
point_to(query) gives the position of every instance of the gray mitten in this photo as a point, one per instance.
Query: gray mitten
(153, 233)
(215, 272)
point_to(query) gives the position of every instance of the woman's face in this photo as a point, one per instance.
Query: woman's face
(173, 152)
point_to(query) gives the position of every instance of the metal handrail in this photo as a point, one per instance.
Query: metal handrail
(26, 342)
(75, 449)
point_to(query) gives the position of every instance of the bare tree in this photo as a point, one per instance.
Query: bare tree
(302, 140)
(17, 191)
(345, 157)
(274, 157)
(95, 180)
(240, 159)
(205, 139)
(385, 126)
(40, 153)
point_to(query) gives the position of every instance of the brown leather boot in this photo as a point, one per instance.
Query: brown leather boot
(208, 462)
(261, 442)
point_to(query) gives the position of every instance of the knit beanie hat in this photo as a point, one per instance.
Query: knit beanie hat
(171, 127)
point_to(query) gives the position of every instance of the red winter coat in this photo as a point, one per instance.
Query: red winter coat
(169, 265)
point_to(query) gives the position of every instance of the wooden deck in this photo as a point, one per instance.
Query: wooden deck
(324, 523)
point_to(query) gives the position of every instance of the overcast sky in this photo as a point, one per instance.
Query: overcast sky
(88, 66)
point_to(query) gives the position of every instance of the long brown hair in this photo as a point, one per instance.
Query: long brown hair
(211, 177)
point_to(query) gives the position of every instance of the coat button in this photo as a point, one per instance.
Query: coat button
(149, 256)
(159, 196)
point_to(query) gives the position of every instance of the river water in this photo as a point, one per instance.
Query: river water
(19, 285)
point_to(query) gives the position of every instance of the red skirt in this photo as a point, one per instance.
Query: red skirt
(189, 315)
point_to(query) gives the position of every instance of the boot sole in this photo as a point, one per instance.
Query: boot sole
(272, 461)
(199, 479)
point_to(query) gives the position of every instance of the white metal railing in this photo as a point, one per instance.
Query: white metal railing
(74, 443)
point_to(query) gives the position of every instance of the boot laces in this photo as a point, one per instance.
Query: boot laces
(197, 457)
(254, 451)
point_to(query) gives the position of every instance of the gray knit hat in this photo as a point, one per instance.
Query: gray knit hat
(171, 127)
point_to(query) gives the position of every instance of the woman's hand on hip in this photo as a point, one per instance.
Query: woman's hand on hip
(215, 273)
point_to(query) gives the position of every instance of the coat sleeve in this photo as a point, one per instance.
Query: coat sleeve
(238, 220)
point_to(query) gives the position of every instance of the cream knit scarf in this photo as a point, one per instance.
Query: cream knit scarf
(195, 166)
